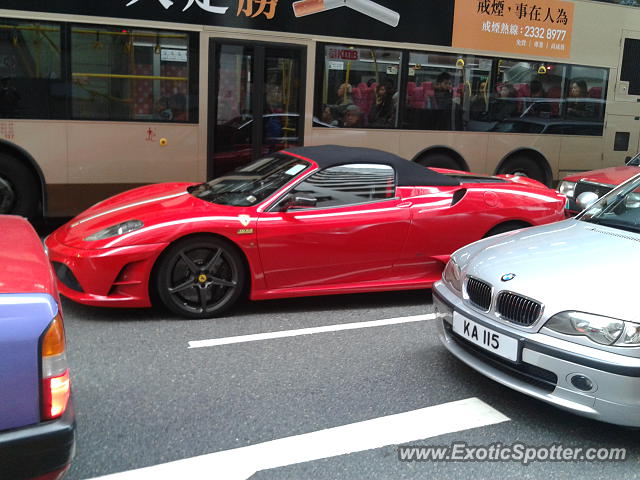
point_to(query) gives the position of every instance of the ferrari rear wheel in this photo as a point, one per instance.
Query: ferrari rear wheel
(506, 227)
(200, 277)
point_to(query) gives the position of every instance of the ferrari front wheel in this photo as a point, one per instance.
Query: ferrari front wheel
(200, 277)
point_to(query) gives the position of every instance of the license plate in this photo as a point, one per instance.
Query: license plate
(486, 338)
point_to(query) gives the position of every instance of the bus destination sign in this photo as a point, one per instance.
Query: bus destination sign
(537, 27)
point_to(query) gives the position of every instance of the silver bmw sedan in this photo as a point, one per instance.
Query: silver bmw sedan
(550, 311)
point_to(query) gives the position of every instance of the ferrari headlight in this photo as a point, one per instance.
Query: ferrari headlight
(602, 330)
(452, 275)
(115, 230)
(567, 188)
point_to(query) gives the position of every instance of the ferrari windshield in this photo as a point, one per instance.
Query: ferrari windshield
(620, 208)
(252, 183)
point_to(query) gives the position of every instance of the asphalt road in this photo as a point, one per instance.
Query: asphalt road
(143, 398)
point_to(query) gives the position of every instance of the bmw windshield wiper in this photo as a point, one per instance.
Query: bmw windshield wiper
(606, 222)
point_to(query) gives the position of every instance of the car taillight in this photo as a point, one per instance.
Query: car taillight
(56, 386)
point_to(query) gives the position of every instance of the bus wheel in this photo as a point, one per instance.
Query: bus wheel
(523, 166)
(438, 160)
(18, 188)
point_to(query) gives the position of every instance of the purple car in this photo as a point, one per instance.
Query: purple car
(37, 423)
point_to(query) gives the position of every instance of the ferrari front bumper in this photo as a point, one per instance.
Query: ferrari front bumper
(109, 277)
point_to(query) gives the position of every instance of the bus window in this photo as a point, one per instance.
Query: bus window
(629, 67)
(359, 87)
(31, 84)
(435, 92)
(477, 72)
(281, 101)
(584, 98)
(537, 87)
(129, 74)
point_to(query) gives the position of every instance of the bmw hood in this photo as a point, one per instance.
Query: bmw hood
(570, 265)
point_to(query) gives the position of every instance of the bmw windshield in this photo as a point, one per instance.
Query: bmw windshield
(620, 208)
(252, 183)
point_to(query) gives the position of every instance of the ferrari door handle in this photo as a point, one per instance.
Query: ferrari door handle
(405, 204)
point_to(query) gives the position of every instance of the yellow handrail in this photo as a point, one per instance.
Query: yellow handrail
(135, 77)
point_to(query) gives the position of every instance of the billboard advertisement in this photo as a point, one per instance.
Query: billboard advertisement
(417, 21)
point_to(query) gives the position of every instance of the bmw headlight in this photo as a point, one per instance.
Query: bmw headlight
(115, 230)
(452, 275)
(602, 330)
(567, 188)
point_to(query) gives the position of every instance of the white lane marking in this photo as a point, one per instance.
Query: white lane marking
(401, 428)
(214, 342)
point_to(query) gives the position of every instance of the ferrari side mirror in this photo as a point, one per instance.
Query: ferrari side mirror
(301, 201)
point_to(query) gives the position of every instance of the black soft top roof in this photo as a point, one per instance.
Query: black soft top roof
(408, 173)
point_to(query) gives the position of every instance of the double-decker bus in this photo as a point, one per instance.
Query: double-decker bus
(97, 97)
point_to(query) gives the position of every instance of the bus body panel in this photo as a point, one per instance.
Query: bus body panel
(137, 152)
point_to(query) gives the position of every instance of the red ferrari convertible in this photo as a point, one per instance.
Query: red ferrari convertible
(306, 221)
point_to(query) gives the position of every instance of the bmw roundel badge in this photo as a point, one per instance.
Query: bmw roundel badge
(508, 276)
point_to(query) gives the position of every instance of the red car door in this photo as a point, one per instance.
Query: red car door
(351, 231)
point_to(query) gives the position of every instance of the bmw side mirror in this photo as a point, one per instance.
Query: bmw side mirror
(586, 199)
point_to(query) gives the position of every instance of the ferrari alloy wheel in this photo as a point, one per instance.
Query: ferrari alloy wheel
(200, 277)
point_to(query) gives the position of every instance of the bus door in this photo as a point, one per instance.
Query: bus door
(623, 115)
(256, 101)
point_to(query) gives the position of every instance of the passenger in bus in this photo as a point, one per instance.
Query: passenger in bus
(178, 105)
(344, 95)
(163, 111)
(442, 98)
(479, 103)
(577, 105)
(329, 116)
(539, 108)
(447, 114)
(382, 112)
(9, 98)
(352, 117)
(536, 90)
(505, 106)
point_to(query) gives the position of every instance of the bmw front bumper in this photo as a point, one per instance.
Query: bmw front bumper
(546, 366)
